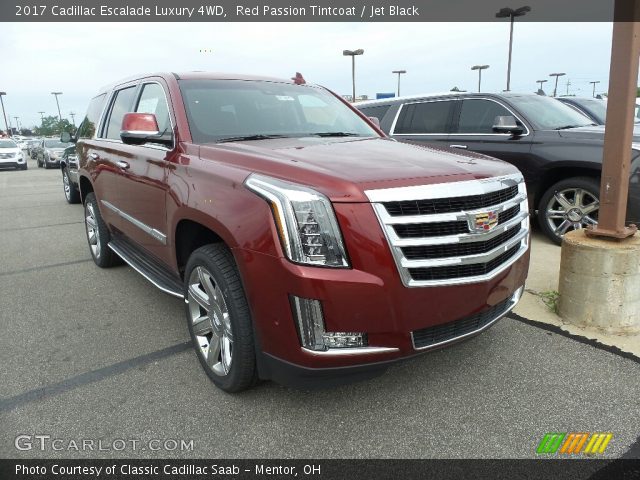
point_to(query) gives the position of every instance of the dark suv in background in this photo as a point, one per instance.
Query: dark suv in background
(558, 150)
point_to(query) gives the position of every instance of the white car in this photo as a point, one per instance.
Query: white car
(11, 155)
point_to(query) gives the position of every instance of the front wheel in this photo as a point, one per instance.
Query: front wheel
(218, 318)
(570, 204)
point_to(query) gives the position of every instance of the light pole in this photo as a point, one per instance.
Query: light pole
(352, 54)
(555, 89)
(399, 72)
(511, 14)
(73, 118)
(17, 124)
(594, 87)
(41, 117)
(58, 104)
(6, 125)
(541, 82)
(479, 68)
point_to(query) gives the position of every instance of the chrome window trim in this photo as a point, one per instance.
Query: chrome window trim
(452, 190)
(515, 298)
(158, 235)
(457, 99)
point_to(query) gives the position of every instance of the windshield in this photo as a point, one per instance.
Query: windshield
(597, 107)
(55, 144)
(8, 144)
(228, 110)
(546, 113)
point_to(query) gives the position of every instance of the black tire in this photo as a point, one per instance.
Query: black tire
(102, 255)
(71, 192)
(38, 162)
(24, 167)
(575, 216)
(215, 262)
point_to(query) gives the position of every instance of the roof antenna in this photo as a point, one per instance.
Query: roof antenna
(298, 79)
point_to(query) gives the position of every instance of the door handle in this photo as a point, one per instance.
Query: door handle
(94, 156)
(464, 147)
(122, 164)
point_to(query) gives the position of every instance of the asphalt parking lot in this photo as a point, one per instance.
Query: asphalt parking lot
(102, 354)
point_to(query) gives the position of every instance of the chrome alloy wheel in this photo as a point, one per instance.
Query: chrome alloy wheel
(211, 321)
(67, 187)
(92, 230)
(572, 208)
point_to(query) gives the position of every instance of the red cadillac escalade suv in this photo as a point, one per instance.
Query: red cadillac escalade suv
(308, 247)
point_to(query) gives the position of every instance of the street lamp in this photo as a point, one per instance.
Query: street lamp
(73, 118)
(58, 104)
(555, 89)
(17, 124)
(594, 87)
(399, 72)
(41, 116)
(541, 82)
(6, 125)
(352, 54)
(479, 68)
(511, 14)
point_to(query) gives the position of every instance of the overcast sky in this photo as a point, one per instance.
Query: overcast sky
(78, 58)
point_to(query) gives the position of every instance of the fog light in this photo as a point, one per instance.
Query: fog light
(310, 322)
(344, 339)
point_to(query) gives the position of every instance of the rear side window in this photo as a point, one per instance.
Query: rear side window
(378, 111)
(427, 117)
(153, 100)
(87, 128)
(121, 105)
(479, 115)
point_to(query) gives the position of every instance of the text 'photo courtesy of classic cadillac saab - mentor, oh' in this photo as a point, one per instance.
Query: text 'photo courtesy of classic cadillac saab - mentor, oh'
(308, 247)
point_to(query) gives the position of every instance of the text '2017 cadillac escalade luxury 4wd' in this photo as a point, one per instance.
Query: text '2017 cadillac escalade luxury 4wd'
(309, 248)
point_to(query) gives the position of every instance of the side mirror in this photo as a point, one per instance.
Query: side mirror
(141, 128)
(375, 120)
(507, 124)
(66, 137)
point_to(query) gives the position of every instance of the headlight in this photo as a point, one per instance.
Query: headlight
(305, 221)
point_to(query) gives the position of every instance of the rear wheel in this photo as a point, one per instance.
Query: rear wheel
(71, 192)
(218, 318)
(568, 205)
(98, 234)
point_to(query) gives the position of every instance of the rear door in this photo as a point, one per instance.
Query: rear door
(424, 122)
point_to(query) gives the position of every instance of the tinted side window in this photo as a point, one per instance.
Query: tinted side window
(121, 105)
(87, 128)
(378, 111)
(427, 117)
(478, 116)
(153, 100)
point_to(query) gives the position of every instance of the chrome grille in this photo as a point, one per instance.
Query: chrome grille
(433, 234)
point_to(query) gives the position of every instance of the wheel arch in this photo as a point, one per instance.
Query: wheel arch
(86, 187)
(189, 235)
(562, 172)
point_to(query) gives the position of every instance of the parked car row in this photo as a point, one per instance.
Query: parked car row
(558, 149)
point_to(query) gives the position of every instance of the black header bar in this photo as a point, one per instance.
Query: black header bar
(309, 11)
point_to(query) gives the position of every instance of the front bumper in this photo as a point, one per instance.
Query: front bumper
(10, 164)
(354, 300)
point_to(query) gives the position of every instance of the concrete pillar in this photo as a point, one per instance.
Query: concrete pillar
(600, 283)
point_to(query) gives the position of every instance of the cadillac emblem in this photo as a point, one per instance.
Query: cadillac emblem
(482, 222)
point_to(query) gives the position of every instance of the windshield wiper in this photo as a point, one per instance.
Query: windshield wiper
(259, 136)
(576, 126)
(334, 134)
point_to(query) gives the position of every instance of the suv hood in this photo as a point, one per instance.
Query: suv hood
(10, 150)
(593, 132)
(343, 168)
